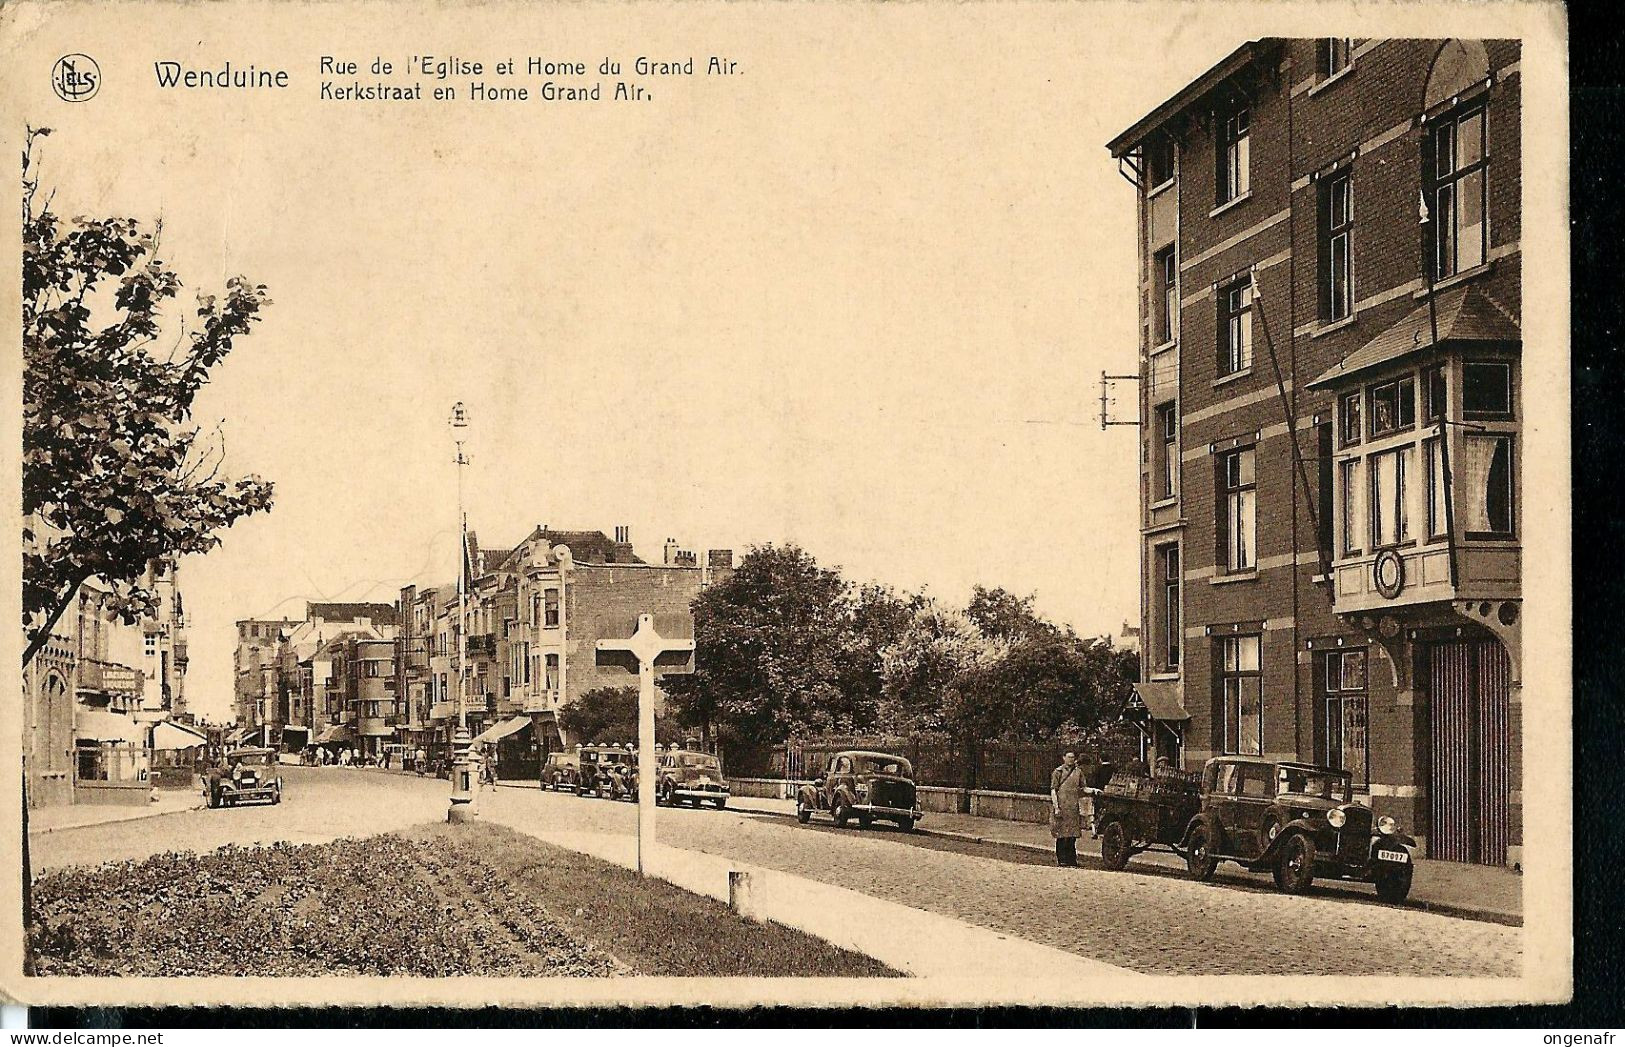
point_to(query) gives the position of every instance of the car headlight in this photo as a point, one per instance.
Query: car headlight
(1336, 818)
(863, 790)
(1387, 826)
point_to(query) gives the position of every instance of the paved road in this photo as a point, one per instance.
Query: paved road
(1153, 924)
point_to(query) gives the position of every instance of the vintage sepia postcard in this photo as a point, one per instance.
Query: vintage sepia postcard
(829, 504)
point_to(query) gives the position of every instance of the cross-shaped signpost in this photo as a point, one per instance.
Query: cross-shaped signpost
(646, 645)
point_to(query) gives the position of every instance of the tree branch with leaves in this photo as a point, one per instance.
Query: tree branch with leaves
(118, 478)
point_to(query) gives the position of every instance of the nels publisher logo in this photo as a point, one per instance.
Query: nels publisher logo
(76, 78)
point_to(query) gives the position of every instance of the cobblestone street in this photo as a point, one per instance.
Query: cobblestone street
(1152, 924)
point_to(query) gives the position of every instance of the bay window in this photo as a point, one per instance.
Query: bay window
(1486, 485)
(1390, 523)
(1353, 507)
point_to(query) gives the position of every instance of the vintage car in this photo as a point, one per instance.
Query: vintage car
(1294, 820)
(867, 786)
(691, 777)
(561, 770)
(243, 775)
(607, 771)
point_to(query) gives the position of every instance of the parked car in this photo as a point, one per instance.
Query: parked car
(691, 777)
(604, 771)
(561, 770)
(1294, 820)
(241, 776)
(865, 786)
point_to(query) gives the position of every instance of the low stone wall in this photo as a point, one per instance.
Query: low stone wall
(124, 794)
(933, 799)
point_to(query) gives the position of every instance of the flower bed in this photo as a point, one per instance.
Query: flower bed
(442, 901)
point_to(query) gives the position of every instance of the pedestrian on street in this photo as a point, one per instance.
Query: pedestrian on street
(1066, 818)
(420, 760)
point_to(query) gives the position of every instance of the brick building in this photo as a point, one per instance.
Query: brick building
(535, 616)
(1330, 344)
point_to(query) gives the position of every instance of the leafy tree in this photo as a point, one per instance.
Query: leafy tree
(116, 477)
(1001, 614)
(610, 714)
(769, 647)
(877, 618)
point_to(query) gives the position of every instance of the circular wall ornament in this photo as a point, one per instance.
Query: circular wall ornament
(1388, 573)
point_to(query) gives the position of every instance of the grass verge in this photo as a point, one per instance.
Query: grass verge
(442, 900)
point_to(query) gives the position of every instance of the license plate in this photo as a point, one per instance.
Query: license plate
(1394, 856)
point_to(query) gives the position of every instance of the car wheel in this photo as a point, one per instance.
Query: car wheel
(1296, 869)
(906, 824)
(1394, 887)
(803, 812)
(1199, 860)
(842, 815)
(864, 821)
(276, 797)
(1114, 847)
(721, 804)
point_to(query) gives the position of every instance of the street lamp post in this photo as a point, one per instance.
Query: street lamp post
(464, 779)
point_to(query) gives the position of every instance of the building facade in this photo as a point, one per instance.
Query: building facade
(96, 690)
(1330, 355)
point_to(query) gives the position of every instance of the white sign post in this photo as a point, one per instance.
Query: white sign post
(646, 645)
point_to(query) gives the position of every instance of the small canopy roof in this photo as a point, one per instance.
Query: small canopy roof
(106, 726)
(1467, 316)
(336, 733)
(502, 729)
(1158, 701)
(171, 735)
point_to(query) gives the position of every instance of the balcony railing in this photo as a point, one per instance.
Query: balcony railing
(109, 677)
(482, 643)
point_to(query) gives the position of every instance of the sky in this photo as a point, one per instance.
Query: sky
(858, 297)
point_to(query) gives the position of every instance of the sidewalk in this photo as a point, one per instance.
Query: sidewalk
(919, 943)
(1478, 892)
(79, 815)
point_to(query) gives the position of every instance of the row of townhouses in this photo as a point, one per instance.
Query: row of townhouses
(367, 676)
(1330, 416)
(105, 700)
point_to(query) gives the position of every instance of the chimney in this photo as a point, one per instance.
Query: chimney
(723, 558)
(671, 552)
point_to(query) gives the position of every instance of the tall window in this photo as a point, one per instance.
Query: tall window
(1236, 327)
(1345, 734)
(1241, 696)
(1353, 520)
(1335, 53)
(1165, 272)
(1348, 407)
(1459, 190)
(1438, 516)
(1433, 394)
(551, 680)
(1168, 580)
(1159, 160)
(550, 611)
(1390, 523)
(1233, 155)
(1486, 486)
(1336, 253)
(1238, 512)
(1166, 451)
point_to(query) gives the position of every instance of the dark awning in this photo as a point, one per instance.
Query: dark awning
(501, 730)
(1467, 316)
(336, 733)
(1158, 701)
